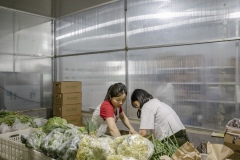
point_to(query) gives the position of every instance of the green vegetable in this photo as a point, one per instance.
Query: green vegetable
(7, 113)
(91, 128)
(52, 142)
(163, 147)
(9, 119)
(68, 150)
(34, 140)
(82, 129)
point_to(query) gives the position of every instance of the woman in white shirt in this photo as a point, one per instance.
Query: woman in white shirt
(157, 117)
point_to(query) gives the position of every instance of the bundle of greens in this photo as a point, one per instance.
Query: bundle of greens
(91, 128)
(68, 150)
(33, 140)
(71, 132)
(53, 140)
(163, 147)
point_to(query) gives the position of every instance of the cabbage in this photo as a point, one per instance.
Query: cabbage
(117, 141)
(127, 147)
(136, 146)
(55, 122)
(84, 151)
(94, 148)
(101, 148)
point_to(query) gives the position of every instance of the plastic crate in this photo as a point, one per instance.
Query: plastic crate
(11, 147)
(35, 155)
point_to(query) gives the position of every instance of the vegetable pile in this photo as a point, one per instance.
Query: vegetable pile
(129, 147)
(56, 139)
(12, 121)
(62, 141)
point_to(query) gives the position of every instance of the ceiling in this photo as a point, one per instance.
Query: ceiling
(51, 8)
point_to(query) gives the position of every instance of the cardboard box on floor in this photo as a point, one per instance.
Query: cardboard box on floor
(67, 86)
(67, 110)
(75, 119)
(232, 140)
(67, 98)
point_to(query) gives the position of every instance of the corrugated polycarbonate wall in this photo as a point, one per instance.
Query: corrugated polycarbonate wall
(183, 52)
(26, 51)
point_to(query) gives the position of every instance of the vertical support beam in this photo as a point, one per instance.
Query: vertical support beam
(237, 81)
(126, 53)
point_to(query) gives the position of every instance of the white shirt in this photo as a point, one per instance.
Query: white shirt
(157, 117)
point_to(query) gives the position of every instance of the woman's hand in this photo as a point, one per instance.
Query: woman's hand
(132, 131)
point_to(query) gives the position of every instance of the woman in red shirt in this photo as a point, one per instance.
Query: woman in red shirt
(107, 113)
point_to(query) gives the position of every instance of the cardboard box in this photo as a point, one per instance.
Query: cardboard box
(75, 120)
(67, 98)
(232, 141)
(67, 110)
(67, 87)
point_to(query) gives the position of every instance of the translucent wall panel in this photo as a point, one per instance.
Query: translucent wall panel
(6, 32)
(25, 81)
(33, 35)
(30, 87)
(96, 71)
(6, 63)
(197, 81)
(25, 34)
(164, 22)
(96, 29)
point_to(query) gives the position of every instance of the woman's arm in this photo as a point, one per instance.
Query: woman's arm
(112, 127)
(126, 122)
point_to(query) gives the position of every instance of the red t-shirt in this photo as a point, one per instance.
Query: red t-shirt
(107, 110)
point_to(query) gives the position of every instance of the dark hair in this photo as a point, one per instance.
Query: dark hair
(141, 96)
(116, 90)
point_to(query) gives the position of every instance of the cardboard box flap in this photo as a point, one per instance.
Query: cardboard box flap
(232, 138)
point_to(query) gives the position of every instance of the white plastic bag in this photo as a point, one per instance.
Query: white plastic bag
(40, 121)
(4, 128)
(101, 130)
(17, 125)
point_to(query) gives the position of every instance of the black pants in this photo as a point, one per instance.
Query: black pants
(181, 137)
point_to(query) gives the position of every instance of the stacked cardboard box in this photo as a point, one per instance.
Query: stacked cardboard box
(67, 101)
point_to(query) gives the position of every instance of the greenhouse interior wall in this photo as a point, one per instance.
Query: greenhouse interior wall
(186, 53)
